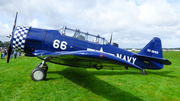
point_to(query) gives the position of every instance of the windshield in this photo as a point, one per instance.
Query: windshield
(83, 36)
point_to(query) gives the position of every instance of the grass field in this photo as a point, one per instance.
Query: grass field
(78, 84)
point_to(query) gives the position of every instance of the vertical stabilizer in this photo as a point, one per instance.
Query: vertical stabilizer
(153, 48)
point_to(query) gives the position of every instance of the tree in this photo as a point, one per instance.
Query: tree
(1, 44)
(6, 44)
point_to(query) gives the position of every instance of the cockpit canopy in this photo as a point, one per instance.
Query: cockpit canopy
(83, 36)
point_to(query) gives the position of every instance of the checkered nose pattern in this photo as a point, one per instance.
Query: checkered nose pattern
(19, 38)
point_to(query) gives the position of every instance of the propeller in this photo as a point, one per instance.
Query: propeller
(111, 38)
(10, 47)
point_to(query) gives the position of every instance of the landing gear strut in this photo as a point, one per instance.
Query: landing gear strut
(43, 65)
(143, 72)
(39, 73)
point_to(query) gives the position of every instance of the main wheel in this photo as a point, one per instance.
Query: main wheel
(98, 66)
(38, 74)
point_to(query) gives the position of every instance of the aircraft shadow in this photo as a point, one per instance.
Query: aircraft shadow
(129, 72)
(86, 79)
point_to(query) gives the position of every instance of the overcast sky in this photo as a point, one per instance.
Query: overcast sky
(133, 22)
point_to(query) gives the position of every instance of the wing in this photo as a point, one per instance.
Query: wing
(83, 58)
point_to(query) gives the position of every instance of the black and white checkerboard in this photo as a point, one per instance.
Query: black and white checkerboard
(19, 38)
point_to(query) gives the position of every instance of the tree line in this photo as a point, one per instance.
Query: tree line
(4, 44)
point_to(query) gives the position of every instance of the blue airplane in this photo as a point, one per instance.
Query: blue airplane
(74, 48)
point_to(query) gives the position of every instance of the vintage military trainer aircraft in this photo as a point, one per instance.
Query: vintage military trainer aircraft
(74, 48)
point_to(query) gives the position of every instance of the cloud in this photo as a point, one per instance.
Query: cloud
(33, 23)
(5, 30)
(157, 13)
(133, 22)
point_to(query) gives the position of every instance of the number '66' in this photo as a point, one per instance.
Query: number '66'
(57, 44)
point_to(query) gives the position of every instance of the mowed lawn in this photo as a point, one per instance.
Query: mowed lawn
(78, 84)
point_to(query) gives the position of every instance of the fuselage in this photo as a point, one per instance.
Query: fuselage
(59, 41)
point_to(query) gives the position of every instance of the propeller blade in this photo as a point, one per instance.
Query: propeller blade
(9, 53)
(15, 21)
(10, 48)
(111, 38)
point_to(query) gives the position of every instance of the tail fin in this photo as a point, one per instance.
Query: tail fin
(152, 55)
(153, 48)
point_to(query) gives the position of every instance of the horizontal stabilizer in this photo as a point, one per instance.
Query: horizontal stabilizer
(155, 59)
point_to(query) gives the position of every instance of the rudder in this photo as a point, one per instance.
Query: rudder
(153, 48)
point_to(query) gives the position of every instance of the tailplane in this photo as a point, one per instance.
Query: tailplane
(152, 55)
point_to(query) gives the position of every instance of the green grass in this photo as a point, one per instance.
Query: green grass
(78, 84)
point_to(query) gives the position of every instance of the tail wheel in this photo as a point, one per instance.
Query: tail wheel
(143, 72)
(38, 74)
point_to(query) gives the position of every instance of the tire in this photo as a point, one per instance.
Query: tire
(38, 74)
(143, 73)
(98, 66)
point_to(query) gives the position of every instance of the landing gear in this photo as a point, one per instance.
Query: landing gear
(39, 73)
(126, 67)
(98, 66)
(44, 66)
(143, 72)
